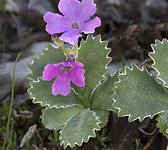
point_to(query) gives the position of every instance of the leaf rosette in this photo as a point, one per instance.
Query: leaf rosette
(75, 121)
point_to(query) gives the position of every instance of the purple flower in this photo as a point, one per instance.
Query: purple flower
(64, 72)
(76, 20)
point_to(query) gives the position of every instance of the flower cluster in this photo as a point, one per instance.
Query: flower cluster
(69, 26)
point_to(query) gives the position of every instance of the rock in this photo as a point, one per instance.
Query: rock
(11, 6)
(4, 57)
(21, 82)
(119, 66)
(30, 133)
(41, 6)
(25, 41)
(16, 5)
(157, 8)
(21, 99)
(114, 2)
(5, 85)
(154, 73)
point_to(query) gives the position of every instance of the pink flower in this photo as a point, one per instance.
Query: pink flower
(76, 20)
(64, 73)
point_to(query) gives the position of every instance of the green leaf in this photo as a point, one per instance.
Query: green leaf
(55, 119)
(102, 97)
(79, 128)
(103, 114)
(163, 123)
(138, 95)
(41, 92)
(51, 55)
(93, 54)
(159, 56)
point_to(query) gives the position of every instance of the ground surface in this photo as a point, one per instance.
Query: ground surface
(130, 26)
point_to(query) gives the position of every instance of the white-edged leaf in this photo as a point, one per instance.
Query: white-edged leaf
(163, 123)
(103, 116)
(160, 58)
(51, 55)
(41, 92)
(102, 96)
(55, 119)
(80, 128)
(93, 53)
(138, 95)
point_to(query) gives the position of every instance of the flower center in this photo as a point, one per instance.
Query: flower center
(75, 26)
(67, 68)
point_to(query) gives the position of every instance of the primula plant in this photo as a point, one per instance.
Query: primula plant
(73, 85)
(70, 82)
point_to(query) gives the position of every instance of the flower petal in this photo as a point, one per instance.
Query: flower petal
(71, 36)
(89, 27)
(66, 64)
(77, 77)
(51, 71)
(61, 86)
(87, 9)
(56, 23)
(69, 8)
(77, 64)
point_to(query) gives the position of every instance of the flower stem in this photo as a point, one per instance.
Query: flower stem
(83, 97)
(64, 50)
(11, 103)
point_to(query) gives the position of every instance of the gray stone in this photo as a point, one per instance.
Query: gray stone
(21, 82)
(113, 67)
